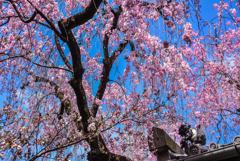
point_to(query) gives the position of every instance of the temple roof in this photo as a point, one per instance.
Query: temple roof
(167, 150)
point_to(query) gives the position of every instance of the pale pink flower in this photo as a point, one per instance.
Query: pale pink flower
(98, 102)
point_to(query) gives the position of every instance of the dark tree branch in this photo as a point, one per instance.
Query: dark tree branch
(45, 80)
(107, 62)
(158, 8)
(105, 75)
(20, 16)
(50, 23)
(132, 45)
(76, 80)
(8, 19)
(44, 66)
(232, 112)
(79, 18)
(34, 15)
(81, 102)
(54, 149)
(232, 81)
(65, 103)
(107, 35)
(62, 53)
(78, 70)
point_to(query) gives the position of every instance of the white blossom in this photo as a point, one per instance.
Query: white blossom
(92, 127)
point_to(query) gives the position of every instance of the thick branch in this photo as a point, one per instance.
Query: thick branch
(78, 70)
(76, 81)
(99, 151)
(81, 102)
(79, 18)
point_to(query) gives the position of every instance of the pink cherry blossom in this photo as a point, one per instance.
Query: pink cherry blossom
(73, 78)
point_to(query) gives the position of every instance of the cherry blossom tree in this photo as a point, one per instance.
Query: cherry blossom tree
(216, 66)
(90, 78)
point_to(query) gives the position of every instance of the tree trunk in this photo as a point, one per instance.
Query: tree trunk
(99, 151)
